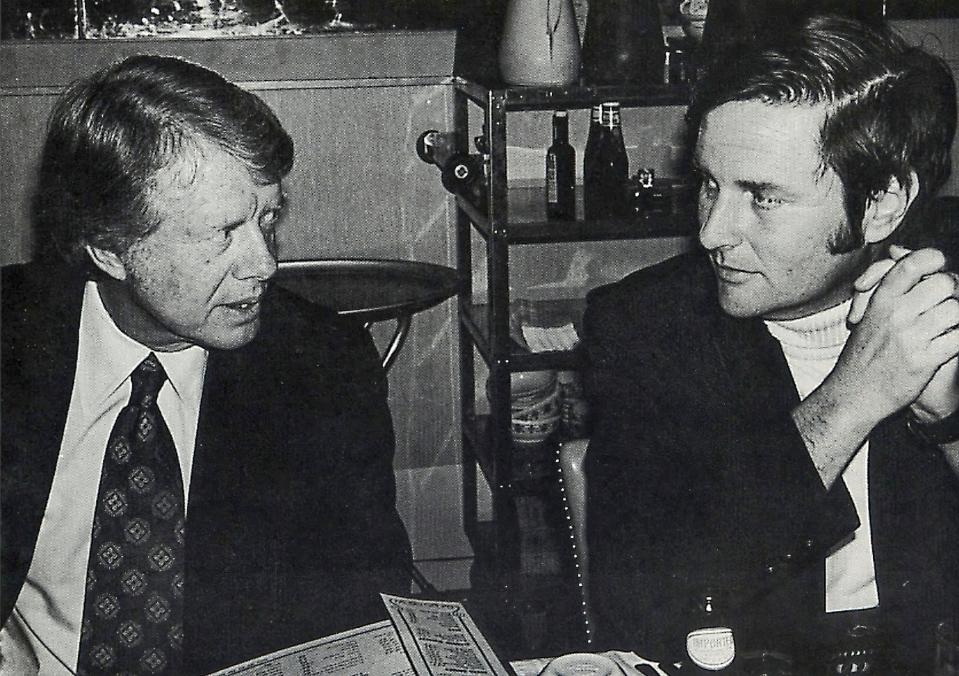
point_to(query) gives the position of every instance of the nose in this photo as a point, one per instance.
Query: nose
(718, 218)
(257, 260)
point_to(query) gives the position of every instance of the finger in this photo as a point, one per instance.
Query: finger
(873, 274)
(924, 312)
(931, 290)
(897, 251)
(863, 287)
(938, 320)
(860, 302)
(908, 271)
(944, 347)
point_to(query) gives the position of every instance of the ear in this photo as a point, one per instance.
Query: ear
(107, 261)
(885, 210)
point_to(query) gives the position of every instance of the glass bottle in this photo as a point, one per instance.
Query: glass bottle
(592, 134)
(606, 168)
(589, 152)
(710, 645)
(561, 172)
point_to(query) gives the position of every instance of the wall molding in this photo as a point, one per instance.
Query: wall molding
(293, 62)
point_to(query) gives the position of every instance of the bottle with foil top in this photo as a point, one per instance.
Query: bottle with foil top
(606, 168)
(710, 645)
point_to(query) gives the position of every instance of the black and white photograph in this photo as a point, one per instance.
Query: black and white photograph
(479, 337)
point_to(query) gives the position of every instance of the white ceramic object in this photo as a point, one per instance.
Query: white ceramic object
(693, 13)
(582, 664)
(540, 43)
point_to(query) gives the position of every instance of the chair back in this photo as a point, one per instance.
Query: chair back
(572, 456)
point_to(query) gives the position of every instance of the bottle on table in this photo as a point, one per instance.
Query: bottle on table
(710, 645)
(606, 168)
(561, 172)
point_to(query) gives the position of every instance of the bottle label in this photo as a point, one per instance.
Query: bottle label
(711, 649)
(552, 189)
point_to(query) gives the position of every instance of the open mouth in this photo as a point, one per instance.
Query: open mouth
(244, 305)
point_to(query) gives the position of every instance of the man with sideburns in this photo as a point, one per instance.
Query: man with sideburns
(776, 412)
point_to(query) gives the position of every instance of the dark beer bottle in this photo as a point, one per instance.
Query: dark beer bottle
(561, 172)
(606, 168)
(710, 646)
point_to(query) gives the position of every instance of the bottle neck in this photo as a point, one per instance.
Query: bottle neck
(560, 129)
(610, 118)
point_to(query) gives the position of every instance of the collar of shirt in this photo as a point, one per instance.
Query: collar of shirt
(109, 356)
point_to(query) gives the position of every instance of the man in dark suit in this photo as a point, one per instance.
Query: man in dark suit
(161, 185)
(776, 415)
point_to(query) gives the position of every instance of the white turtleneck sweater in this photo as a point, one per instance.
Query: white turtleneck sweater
(812, 346)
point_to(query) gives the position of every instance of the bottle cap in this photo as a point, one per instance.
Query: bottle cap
(711, 649)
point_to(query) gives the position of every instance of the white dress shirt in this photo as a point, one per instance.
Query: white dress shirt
(812, 346)
(50, 603)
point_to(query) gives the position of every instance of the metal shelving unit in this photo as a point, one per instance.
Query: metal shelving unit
(509, 217)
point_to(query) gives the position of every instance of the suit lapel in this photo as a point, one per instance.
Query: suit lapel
(39, 370)
(754, 364)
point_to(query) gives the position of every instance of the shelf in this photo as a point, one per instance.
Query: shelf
(478, 432)
(528, 223)
(522, 552)
(474, 317)
(579, 95)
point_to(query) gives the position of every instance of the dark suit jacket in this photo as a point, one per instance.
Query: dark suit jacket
(292, 528)
(698, 477)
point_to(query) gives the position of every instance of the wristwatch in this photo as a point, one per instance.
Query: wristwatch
(944, 431)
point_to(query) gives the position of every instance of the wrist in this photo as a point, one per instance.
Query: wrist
(933, 429)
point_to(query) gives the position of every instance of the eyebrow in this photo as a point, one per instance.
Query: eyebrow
(760, 186)
(744, 184)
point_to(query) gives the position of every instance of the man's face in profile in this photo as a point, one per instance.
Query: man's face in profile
(199, 277)
(768, 211)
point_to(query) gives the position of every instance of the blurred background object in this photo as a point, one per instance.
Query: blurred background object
(623, 42)
(539, 43)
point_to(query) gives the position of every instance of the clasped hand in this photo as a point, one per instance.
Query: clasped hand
(905, 336)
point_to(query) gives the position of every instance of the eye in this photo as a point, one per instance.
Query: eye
(270, 219)
(765, 201)
(708, 188)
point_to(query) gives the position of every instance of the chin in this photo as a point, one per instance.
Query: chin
(230, 339)
(740, 309)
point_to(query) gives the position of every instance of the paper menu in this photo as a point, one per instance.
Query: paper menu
(441, 638)
(373, 650)
(422, 638)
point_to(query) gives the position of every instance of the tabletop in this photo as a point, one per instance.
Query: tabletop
(370, 289)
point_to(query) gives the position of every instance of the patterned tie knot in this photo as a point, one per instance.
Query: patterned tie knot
(147, 380)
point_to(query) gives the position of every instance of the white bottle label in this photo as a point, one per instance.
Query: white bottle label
(711, 649)
(552, 189)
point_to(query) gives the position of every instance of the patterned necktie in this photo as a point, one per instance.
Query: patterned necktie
(133, 608)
